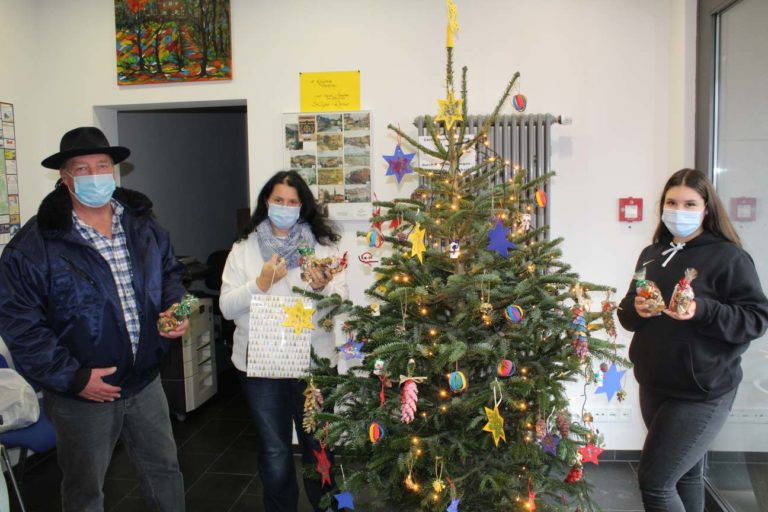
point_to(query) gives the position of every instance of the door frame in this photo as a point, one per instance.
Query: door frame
(707, 71)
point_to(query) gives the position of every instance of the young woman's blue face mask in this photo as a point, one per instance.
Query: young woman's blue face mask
(94, 190)
(682, 223)
(283, 217)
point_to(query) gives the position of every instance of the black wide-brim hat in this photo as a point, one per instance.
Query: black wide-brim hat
(86, 140)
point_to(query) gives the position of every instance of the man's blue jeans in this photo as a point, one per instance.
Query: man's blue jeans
(86, 435)
(671, 470)
(275, 405)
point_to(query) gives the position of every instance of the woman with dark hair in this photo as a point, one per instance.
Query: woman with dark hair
(265, 260)
(688, 361)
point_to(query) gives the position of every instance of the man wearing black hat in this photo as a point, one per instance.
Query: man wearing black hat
(82, 286)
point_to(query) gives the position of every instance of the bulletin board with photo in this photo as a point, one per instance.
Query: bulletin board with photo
(332, 152)
(10, 218)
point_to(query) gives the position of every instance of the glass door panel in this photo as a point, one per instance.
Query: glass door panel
(738, 462)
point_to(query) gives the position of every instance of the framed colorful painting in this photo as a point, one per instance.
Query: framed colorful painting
(165, 41)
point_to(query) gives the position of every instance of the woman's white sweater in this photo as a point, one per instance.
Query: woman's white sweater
(239, 285)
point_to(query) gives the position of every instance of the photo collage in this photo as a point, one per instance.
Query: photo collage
(10, 218)
(332, 152)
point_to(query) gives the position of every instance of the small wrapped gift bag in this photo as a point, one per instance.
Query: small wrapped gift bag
(279, 336)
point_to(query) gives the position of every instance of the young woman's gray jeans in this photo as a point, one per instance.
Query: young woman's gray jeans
(671, 470)
(86, 435)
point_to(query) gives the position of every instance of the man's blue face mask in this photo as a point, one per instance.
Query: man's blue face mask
(94, 190)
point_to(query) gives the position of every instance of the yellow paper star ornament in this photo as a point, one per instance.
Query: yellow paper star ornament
(453, 24)
(298, 317)
(450, 110)
(495, 424)
(417, 242)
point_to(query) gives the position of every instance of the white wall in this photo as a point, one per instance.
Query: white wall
(622, 69)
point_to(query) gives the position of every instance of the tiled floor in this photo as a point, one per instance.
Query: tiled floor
(217, 452)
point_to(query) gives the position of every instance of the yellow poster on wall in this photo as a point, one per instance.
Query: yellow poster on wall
(330, 91)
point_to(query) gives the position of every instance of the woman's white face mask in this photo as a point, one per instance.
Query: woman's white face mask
(682, 223)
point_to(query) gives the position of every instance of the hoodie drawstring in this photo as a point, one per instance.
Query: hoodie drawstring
(674, 249)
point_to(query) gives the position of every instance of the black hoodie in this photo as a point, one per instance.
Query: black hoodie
(697, 359)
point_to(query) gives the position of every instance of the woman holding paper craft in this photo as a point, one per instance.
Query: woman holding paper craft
(287, 243)
(688, 356)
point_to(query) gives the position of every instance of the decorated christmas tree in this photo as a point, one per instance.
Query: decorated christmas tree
(475, 329)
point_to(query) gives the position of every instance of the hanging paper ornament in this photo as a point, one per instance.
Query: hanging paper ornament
(417, 242)
(327, 324)
(367, 259)
(395, 223)
(454, 249)
(525, 222)
(495, 423)
(399, 163)
(323, 465)
(575, 474)
(563, 425)
(409, 395)
(458, 381)
(609, 324)
(345, 500)
(498, 239)
(352, 349)
(375, 432)
(505, 368)
(454, 506)
(611, 381)
(375, 309)
(313, 403)
(514, 313)
(541, 429)
(450, 110)
(580, 342)
(549, 443)
(541, 198)
(376, 224)
(531, 506)
(410, 483)
(374, 238)
(519, 102)
(298, 317)
(589, 453)
(453, 24)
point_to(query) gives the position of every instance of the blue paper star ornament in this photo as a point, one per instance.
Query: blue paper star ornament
(454, 506)
(399, 163)
(498, 240)
(345, 500)
(352, 349)
(611, 382)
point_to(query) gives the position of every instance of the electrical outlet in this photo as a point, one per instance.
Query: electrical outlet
(749, 415)
(611, 414)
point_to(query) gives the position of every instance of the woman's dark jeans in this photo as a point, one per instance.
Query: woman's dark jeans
(671, 470)
(275, 406)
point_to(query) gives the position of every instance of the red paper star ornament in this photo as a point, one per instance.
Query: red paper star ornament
(589, 453)
(323, 465)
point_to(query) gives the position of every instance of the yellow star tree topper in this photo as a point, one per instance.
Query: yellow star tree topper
(495, 424)
(417, 242)
(450, 110)
(298, 317)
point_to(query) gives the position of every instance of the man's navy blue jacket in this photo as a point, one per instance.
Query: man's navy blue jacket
(60, 313)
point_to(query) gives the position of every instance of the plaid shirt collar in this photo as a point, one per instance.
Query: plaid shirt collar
(88, 232)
